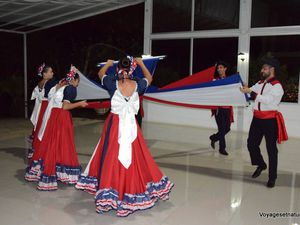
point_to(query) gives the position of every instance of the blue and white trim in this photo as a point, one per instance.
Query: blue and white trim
(34, 171)
(65, 174)
(88, 184)
(108, 199)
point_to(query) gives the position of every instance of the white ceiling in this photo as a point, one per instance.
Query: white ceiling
(26, 16)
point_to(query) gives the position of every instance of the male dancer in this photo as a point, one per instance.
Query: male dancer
(222, 115)
(267, 120)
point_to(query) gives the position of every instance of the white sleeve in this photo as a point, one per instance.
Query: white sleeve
(52, 92)
(255, 88)
(147, 85)
(35, 93)
(273, 97)
(102, 79)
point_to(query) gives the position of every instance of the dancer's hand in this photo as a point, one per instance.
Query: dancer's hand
(62, 82)
(139, 61)
(68, 106)
(73, 68)
(83, 104)
(103, 70)
(245, 89)
(110, 62)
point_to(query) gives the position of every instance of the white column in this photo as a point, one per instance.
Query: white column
(244, 38)
(243, 60)
(191, 55)
(147, 27)
(147, 50)
(25, 75)
(192, 39)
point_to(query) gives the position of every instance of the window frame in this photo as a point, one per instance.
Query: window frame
(244, 32)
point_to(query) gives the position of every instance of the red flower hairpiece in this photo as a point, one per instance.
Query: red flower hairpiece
(40, 69)
(70, 76)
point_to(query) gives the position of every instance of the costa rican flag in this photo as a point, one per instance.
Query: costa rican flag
(198, 90)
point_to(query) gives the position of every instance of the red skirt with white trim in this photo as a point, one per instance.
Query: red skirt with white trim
(118, 188)
(57, 157)
(35, 141)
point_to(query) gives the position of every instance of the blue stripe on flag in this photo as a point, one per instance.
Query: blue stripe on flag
(227, 81)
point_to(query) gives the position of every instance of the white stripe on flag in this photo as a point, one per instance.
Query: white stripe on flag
(88, 90)
(225, 95)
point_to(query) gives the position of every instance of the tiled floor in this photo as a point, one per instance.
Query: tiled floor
(210, 188)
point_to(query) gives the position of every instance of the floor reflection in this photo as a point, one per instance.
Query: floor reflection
(210, 188)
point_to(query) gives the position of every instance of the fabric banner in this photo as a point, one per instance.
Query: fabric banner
(197, 78)
(149, 61)
(88, 89)
(196, 91)
(224, 92)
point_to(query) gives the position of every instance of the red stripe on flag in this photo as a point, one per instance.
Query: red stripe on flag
(197, 78)
(181, 104)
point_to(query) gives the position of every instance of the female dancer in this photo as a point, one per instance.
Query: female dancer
(57, 158)
(40, 95)
(122, 174)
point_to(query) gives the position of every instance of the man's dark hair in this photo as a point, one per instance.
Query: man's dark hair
(223, 63)
(271, 62)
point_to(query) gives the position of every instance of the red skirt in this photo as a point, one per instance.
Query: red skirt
(35, 141)
(118, 188)
(56, 158)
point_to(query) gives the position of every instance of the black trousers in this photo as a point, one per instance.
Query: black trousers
(223, 122)
(264, 128)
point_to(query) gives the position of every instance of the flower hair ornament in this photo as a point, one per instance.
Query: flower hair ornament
(70, 76)
(127, 69)
(40, 69)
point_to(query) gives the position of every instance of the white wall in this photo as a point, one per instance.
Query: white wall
(162, 113)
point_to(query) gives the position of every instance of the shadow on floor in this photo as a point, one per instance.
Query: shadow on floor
(183, 153)
(284, 178)
(17, 152)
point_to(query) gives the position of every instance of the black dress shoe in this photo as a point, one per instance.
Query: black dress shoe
(212, 144)
(258, 171)
(271, 183)
(223, 152)
(212, 141)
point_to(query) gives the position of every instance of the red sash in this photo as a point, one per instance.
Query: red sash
(98, 105)
(282, 134)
